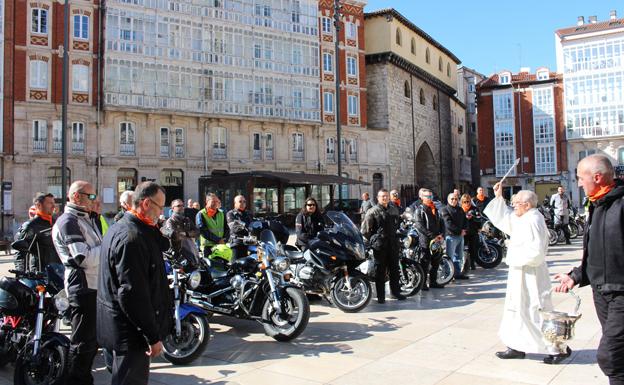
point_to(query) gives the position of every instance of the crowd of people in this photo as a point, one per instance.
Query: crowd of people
(120, 298)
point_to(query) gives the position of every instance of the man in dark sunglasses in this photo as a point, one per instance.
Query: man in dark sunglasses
(77, 241)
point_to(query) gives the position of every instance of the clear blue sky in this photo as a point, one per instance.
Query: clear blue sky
(490, 36)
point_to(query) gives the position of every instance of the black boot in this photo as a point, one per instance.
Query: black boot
(557, 358)
(510, 354)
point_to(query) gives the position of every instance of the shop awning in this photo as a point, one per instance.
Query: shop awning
(288, 177)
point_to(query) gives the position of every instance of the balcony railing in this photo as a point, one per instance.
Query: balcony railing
(257, 154)
(164, 151)
(595, 131)
(298, 155)
(127, 149)
(219, 153)
(57, 146)
(40, 145)
(353, 157)
(78, 147)
(331, 158)
(179, 151)
(268, 153)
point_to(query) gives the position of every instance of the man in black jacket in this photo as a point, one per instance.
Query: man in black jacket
(602, 266)
(134, 305)
(39, 229)
(430, 226)
(181, 231)
(238, 220)
(455, 225)
(380, 229)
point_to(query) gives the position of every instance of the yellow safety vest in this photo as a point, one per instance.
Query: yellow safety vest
(215, 226)
(104, 225)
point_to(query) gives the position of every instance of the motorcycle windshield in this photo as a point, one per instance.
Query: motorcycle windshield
(267, 236)
(342, 224)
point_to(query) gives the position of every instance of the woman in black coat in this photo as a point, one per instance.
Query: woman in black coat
(308, 223)
(473, 215)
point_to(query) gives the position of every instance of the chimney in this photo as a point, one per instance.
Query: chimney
(613, 15)
(580, 20)
(593, 19)
(525, 69)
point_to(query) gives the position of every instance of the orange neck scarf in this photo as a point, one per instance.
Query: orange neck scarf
(602, 191)
(44, 216)
(211, 212)
(397, 202)
(481, 197)
(142, 218)
(466, 206)
(431, 206)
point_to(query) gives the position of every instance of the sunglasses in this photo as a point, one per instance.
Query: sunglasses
(91, 197)
(310, 205)
(427, 196)
(157, 205)
(177, 206)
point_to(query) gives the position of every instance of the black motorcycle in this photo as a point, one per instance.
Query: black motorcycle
(328, 266)
(253, 288)
(31, 304)
(491, 247)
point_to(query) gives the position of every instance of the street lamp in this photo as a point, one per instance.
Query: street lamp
(64, 105)
(337, 9)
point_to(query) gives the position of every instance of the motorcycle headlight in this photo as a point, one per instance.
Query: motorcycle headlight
(194, 280)
(280, 264)
(407, 242)
(61, 303)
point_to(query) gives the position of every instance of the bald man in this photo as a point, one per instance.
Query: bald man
(602, 266)
(77, 241)
(238, 220)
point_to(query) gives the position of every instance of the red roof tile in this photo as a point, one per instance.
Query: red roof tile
(591, 27)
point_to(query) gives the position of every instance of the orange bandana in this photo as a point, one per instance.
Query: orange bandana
(45, 216)
(466, 207)
(602, 191)
(397, 202)
(431, 206)
(481, 197)
(142, 218)
(211, 212)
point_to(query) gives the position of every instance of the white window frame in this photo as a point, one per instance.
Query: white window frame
(298, 143)
(328, 102)
(127, 137)
(78, 132)
(38, 74)
(80, 78)
(543, 75)
(164, 140)
(39, 20)
(504, 78)
(82, 32)
(268, 146)
(353, 152)
(328, 62)
(179, 141)
(40, 130)
(353, 105)
(352, 69)
(351, 30)
(330, 149)
(326, 25)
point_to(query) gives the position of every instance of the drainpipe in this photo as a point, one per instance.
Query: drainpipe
(413, 125)
(98, 162)
(206, 147)
(520, 130)
(440, 145)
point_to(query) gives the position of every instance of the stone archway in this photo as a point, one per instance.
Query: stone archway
(425, 168)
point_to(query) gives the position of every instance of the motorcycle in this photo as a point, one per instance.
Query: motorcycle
(191, 331)
(446, 270)
(253, 288)
(553, 235)
(31, 304)
(491, 246)
(411, 273)
(328, 266)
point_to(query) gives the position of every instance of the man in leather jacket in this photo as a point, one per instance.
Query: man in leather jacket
(430, 226)
(238, 220)
(379, 227)
(180, 230)
(39, 230)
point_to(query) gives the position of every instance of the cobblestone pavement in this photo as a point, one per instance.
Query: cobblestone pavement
(442, 337)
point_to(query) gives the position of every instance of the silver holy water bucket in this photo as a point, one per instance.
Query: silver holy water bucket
(558, 327)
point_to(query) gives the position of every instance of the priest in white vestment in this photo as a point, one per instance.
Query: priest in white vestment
(528, 282)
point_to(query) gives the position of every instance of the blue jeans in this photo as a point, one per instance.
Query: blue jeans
(455, 250)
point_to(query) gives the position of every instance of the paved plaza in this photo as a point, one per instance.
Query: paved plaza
(442, 337)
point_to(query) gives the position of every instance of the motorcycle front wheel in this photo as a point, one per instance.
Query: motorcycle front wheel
(574, 230)
(446, 271)
(194, 336)
(294, 317)
(355, 299)
(553, 237)
(411, 277)
(49, 367)
(489, 256)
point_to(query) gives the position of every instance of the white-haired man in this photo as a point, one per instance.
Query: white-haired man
(125, 201)
(528, 282)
